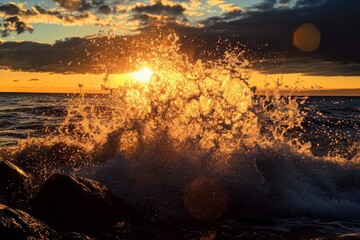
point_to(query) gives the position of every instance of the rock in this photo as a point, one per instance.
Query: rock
(205, 199)
(64, 158)
(77, 204)
(62, 152)
(31, 160)
(18, 225)
(15, 184)
(59, 158)
(75, 236)
(120, 230)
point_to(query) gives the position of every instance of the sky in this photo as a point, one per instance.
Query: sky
(55, 45)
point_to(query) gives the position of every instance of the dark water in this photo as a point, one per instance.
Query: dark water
(304, 195)
(331, 123)
(23, 115)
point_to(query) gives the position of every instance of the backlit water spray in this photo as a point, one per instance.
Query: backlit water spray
(185, 137)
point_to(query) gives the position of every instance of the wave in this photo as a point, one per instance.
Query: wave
(196, 127)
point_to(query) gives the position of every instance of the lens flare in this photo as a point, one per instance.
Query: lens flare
(144, 75)
(307, 37)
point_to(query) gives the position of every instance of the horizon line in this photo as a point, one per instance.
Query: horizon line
(345, 92)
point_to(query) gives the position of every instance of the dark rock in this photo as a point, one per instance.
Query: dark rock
(18, 225)
(15, 184)
(58, 158)
(75, 236)
(77, 204)
(120, 230)
(66, 159)
(205, 199)
(31, 159)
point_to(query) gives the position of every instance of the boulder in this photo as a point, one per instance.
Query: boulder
(58, 158)
(18, 225)
(75, 236)
(77, 204)
(205, 199)
(15, 184)
(66, 159)
(66, 154)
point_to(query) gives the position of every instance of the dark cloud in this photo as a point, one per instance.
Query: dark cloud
(284, 1)
(73, 5)
(79, 55)
(41, 10)
(308, 3)
(14, 23)
(87, 5)
(34, 80)
(266, 5)
(79, 5)
(336, 20)
(10, 9)
(105, 9)
(74, 55)
(160, 9)
(13, 12)
(100, 55)
(308, 66)
(159, 15)
(265, 31)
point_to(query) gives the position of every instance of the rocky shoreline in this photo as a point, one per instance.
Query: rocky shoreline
(59, 205)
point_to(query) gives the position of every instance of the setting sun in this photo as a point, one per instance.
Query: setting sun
(144, 75)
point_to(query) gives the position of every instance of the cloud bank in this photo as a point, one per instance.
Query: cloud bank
(265, 30)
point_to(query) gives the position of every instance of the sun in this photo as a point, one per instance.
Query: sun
(144, 75)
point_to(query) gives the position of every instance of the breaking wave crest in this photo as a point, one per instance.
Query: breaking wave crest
(198, 123)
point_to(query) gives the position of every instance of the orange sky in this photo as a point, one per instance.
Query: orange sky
(44, 82)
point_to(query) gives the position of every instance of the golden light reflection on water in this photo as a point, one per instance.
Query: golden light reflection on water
(307, 37)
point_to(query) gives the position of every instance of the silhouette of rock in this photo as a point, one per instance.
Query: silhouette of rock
(75, 236)
(64, 158)
(205, 199)
(15, 184)
(59, 158)
(18, 225)
(77, 204)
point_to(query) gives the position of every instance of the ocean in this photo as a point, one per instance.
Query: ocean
(330, 123)
(288, 166)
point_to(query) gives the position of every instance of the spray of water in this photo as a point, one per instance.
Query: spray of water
(198, 125)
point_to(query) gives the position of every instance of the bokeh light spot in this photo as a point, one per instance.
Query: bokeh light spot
(307, 37)
(205, 199)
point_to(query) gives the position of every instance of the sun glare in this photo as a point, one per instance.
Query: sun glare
(144, 75)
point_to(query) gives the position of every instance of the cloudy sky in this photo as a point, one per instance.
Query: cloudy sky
(44, 44)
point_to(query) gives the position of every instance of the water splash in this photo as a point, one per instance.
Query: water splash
(194, 120)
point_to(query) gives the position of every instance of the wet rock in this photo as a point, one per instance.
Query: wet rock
(18, 225)
(15, 184)
(64, 158)
(75, 236)
(31, 160)
(65, 154)
(77, 204)
(205, 199)
(58, 158)
(120, 230)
